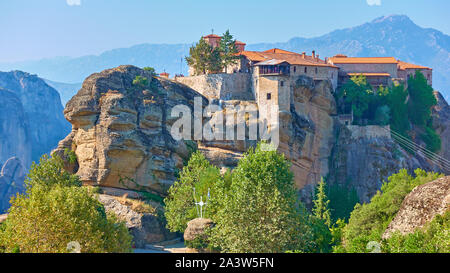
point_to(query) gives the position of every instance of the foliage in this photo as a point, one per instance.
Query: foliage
(151, 70)
(342, 201)
(357, 92)
(431, 139)
(382, 115)
(434, 237)
(140, 81)
(396, 100)
(198, 174)
(70, 155)
(260, 213)
(369, 221)
(203, 58)
(228, 50)
(421, 99)
(47, 219)
(321, 202)
(50, 172)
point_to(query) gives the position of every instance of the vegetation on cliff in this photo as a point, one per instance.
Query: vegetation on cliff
(369, 221)
(55, 212)
(407, 110)
(204, 58)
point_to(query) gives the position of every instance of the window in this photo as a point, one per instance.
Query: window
(306, 70)
(269, 96)
(295, 69)
(281, 83)
(316, 70)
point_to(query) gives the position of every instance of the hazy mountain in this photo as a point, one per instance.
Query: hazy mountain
(66, 90)
(394, 35)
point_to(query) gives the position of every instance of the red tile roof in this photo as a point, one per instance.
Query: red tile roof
(239, 43)
(212, 36)
(405, 65)
(370, 74)
(362, 60)
(283, 55)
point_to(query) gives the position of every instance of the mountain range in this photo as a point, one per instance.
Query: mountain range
(395, 35)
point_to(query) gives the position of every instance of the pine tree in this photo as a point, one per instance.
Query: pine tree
(321, 202)
(228, 50)
(200, 57)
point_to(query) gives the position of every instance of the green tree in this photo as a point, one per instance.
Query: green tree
(202, 176)
(369, 221)
(431, 139)
(421, 99)
(50, 172)
(396, 100)
(320, 209)
(141, 81)
(260, 213)
(357, 92)
(228, 50)
(56, 210)
(321, 220)
(342, 201)
(204, 59)
(46, 220)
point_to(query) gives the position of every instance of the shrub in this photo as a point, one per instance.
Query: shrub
(198, 174)
(260, 213)
(369, 221)
(46, 220)
(434, 237)
(431, 139)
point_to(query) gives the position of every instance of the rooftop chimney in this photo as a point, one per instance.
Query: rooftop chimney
(314, 54)
(303, 55)
(317, 57)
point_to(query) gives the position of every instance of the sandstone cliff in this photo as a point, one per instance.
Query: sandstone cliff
(121, 132)
(40, 122)
(420, 206)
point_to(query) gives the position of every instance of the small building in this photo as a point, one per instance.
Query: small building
(164, 75)
(378, 70)
(407, 69)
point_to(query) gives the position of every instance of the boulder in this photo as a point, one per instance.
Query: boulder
(196, 228)
(145, 227)
(420, 206)
(12, 177)
(121, 130)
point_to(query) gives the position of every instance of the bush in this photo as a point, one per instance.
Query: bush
(56, 210)
(46, 220)
(198, 174)
(260, 213)
(432, 238)
(431, 139)
(369, 221)
(50, 172)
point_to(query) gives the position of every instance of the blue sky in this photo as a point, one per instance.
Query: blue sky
(31, 29)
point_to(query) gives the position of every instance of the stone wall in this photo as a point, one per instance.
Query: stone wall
(370, 131)
(235, 86)
(369, 68)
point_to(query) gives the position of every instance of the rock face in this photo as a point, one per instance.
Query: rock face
(121, 132)
(441, 123)
(364, 157)
(145, 228)
(420, 206)
(40, 122)
(15, 138)
(196, 228)
(12, 177)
